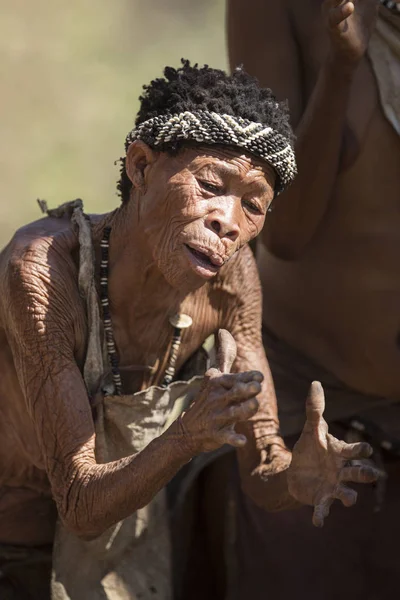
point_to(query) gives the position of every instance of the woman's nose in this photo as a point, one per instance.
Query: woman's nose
(224, 223)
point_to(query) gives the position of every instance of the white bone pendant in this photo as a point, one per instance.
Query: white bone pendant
(181, 321)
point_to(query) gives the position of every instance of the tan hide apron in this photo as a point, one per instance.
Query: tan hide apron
(131, 560)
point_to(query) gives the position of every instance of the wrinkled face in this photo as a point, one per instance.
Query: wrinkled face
(199, 207)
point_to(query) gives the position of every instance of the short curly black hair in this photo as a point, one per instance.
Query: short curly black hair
(194, 88)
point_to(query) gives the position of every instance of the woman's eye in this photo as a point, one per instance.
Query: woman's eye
(252, 207)
(210, 187)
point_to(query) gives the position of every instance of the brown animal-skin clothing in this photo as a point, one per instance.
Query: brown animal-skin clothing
(356, 555)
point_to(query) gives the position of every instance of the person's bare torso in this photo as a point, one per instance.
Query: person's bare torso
(27, 513)
(340, 301)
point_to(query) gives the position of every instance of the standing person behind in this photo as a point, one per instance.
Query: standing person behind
(329, 255)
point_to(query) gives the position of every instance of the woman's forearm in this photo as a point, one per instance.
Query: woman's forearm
(100, 495)
(263, 468)
(269, 490)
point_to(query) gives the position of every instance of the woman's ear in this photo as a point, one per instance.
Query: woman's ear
(138, 157)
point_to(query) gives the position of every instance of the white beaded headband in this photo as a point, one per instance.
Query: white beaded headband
(213, 128)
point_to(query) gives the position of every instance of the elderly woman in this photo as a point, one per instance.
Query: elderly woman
(97, 316)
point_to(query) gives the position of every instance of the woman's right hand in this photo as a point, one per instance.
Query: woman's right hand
(225, 399)
(350, 25)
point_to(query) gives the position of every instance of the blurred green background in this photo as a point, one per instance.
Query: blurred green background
(72, 73)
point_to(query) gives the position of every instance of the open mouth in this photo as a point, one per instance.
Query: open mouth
(203, 264)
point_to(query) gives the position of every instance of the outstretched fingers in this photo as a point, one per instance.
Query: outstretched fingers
(229, 380)
(240, 403)
(240, 412)
(229, 436)
(346, 495)
(315, 403)
(242, 391)
(352, 451)
(321, 511)
(361, 474)
(227, 351)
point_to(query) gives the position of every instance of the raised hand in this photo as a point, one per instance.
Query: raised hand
(350, 25)
(321, 468)
(224, 399)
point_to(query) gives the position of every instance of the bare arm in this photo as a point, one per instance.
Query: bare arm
(261, 35)
(316, 473)
(91, 497)
(264, 460)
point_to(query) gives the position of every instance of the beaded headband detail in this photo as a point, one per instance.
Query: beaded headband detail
(213, 128)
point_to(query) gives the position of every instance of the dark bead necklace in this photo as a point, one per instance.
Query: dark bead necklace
(179, 322)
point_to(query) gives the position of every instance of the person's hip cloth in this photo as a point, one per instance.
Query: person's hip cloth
(374, 418)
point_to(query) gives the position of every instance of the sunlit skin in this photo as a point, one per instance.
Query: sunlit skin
(178, 244)
(337, 228)
(212, 202)
(328, 259)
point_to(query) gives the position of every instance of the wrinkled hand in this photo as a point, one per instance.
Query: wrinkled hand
(224, 399)
(350, 25)
(320, 467)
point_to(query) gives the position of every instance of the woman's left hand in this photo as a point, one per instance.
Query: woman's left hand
(321, 464)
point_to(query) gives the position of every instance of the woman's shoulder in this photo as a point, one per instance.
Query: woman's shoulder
(39, 267)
